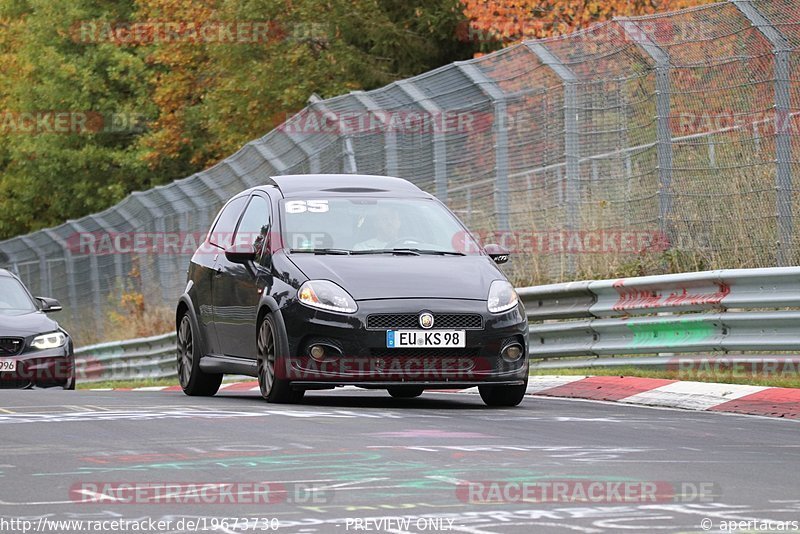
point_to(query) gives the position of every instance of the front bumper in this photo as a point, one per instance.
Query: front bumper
(359, 355)
(43, 368)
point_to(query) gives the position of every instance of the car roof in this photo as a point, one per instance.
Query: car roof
(294, 185)
(3, 272)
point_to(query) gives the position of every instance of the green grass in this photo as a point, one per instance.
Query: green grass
(140, 383)
(787, 380)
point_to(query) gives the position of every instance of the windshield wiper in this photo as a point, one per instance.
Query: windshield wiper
(409, 252)
(333, 251)
(406, 251)
(438, 252)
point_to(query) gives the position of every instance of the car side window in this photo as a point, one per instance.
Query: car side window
(222, 233)
(255, 226)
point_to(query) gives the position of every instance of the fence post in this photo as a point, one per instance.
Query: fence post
(498, 97)
(664, 151)
(267, 153)
(347, 139)
(94, 278)
(69, 267)
(439, 147)
(571, 146)
(157, 216)
(390, 135)
(783, 140)
(45, 285)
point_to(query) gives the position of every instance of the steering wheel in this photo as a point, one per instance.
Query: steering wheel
(402, 241)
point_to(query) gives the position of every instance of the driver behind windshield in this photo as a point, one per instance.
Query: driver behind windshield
(386, 228)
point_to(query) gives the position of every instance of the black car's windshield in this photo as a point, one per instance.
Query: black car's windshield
(14, 300)
(369, 225)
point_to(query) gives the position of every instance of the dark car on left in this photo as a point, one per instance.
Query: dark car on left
(34, 350)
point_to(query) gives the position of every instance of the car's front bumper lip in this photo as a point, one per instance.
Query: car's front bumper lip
(49, 367)
(365, 359)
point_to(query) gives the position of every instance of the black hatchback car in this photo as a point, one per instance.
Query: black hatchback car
(34, 349)
(318, 281)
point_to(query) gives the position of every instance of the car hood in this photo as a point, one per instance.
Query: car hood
(387, 276)
(26, 324)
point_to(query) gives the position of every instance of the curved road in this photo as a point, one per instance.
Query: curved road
(357, 461)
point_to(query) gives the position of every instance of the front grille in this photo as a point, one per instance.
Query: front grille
(11, 346)
(396, 321)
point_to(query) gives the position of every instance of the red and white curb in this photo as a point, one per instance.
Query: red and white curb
(703, 396)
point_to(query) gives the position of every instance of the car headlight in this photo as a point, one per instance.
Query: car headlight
(52, 340)
(325, 295)
(502, 296)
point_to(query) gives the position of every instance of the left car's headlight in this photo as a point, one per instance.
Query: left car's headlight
(52, 340)
(502, 296)
(325, 295)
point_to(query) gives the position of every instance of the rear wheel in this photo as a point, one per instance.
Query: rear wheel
(503, 395)
(405, 392)
(193, 380)
(273, 389)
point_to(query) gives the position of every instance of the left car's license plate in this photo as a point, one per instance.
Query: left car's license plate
(451, 339)
(8, 366)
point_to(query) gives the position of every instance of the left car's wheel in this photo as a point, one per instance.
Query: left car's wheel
(273, 388)
(70, 383)
(193, 380)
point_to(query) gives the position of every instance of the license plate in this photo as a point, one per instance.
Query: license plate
(8, 366)
(449, 339)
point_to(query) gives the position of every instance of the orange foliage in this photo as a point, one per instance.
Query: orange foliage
(509, 21)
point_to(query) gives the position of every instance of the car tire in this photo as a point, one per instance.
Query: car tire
(503, 396)
(405, 392)
(69, 385)
(193, 380)
(273, 389)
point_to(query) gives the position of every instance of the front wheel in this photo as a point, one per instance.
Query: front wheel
(273, 389)
(193, 380)
(500, 396)
(405, 392)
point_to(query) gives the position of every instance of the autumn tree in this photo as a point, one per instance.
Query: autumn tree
(494, 23)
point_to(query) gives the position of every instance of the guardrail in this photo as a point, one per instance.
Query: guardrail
(151, 357)
(737, 310)
(716, 312)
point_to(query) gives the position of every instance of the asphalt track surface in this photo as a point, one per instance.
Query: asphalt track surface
(395, 465)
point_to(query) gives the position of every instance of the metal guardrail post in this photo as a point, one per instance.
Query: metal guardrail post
(783, 139)
(571, 145)
(439, 141)
(663, 132)
(492, 90)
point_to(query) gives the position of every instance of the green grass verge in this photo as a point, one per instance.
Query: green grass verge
(141, 383)
(788, 380)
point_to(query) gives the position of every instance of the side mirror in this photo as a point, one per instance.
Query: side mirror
(497, 253)
(243, 253)
(49, 305)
